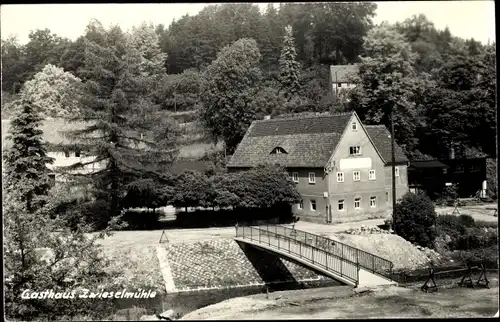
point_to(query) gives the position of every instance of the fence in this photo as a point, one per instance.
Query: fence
(344, 267)
(368, 261)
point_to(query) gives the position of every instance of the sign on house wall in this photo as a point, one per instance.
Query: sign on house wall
(355, 163)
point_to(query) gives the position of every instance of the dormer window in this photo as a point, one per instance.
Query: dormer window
(278, 150)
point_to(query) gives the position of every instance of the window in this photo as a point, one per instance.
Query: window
(278, 150)
(66, 154)
(341, 205)
(373, 202)
(312, 177)
(357, 203)
(356, 176)
(313, 205)
(340, 84)
(354, 150)
(295, 176)
(397, 171)
(354, 126)
(459, 168)
(386, 197)
(340, 176)
(77, 153)
(301, 205)
(371, 175)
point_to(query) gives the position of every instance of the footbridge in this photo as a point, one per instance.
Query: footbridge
(337, 260)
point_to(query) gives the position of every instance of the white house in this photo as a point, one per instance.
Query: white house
(341, 77)
(53, 135)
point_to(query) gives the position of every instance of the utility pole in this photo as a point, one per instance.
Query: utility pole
(393, 161)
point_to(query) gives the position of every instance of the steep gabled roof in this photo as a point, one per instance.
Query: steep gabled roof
(309, 142)
(344, 72)
(381, 138)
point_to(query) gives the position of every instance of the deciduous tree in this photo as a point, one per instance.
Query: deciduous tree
(230, 84)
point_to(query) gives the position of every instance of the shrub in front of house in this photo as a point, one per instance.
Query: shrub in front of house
(466, 220)
(415, 219)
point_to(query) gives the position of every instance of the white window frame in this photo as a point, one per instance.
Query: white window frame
(295, 177)
(340, 176)
(396, 171)
(372, 175)
(300, 205)
(358, 200)
(354, 175)
(341, 202)
(354, 125)
(311, 204)
(373, 202)
(313, 177)
(358, 150)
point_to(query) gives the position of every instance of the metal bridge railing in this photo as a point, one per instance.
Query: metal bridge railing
(368, 261)
(344, 267)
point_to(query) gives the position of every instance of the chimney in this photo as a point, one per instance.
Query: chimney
(267, 117)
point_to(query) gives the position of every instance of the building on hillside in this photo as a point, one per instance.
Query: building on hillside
(341, 167)
(341, 78)
(63, 156)
(53, 130)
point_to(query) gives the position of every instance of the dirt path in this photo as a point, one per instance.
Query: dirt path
(331, 303)
(151, 237)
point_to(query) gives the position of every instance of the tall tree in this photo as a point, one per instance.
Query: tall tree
(124, 129)
(289, 67)
(40, 251)
(387, 82)
(26, 162)
(145, 40)
(230, 84)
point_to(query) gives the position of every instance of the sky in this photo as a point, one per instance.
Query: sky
(466, 19)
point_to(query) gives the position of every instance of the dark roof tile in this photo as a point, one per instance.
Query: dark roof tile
(382, 140)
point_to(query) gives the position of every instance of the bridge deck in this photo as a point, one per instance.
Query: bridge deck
(331, 258)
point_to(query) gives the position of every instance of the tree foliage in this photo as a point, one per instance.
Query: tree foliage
(387, 82)
(415, 219)
(230, 84)
(289, 67)
(26, 161)
(53, 92)
(123, 130)
(41, 252)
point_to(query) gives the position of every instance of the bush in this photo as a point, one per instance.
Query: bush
(448, 196)
(466, 220)
(138, 219)
(486, 224)
(488, 256)
(415, 219)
